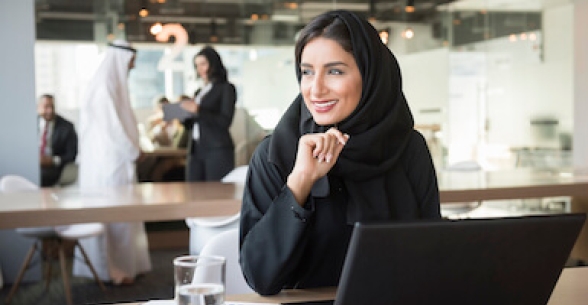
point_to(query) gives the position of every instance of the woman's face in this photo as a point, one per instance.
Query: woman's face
(201, 64)
(331, 82)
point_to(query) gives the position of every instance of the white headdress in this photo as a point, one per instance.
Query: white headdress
(108, 127)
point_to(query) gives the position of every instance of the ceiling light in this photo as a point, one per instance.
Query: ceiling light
(408, 33)
(143, 12)
(409, 8)
(156, 28)
(213, 34)
(384, 34)
(291, 5)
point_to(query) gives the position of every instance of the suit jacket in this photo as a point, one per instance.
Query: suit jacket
(64, 141)
(215, 116)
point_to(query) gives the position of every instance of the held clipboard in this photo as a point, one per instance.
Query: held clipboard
(175, 111)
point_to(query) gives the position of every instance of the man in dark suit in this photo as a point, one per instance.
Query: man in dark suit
(58, 141)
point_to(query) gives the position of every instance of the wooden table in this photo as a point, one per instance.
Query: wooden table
(511, 184)
(138, 202)
(571, 289)
(178, 200)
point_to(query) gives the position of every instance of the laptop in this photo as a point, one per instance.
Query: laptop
(504, 261)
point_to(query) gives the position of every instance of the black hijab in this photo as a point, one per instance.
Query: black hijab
(379, 128)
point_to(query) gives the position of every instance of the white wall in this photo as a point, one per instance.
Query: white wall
(425, 83)
(19, 152)
(580, 72)
(18, 126)
(270, 84)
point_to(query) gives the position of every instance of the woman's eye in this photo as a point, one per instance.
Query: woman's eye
(306, 72)
(335, 72)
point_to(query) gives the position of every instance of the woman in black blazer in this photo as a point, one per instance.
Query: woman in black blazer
(211, 149)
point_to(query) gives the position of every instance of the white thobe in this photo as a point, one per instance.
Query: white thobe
(108, 148)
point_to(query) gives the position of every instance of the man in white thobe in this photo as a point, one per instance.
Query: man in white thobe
(109, 147)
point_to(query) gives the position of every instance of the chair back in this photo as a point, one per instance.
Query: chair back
(203, 228)
(69, 174)
(15, 183)
(226, 244)
(237, 175)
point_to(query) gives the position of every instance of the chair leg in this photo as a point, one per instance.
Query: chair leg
(23, 268)
(87, 260)
(49, 262)
(64, 273)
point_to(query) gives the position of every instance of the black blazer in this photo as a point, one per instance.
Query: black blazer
(64, 140)
(215, 116)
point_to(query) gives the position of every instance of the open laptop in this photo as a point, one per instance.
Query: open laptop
(475, 261)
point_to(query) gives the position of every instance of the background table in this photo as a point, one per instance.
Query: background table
(521, 183)
(178, 200)
(138, 202)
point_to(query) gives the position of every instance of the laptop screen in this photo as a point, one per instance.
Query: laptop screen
(504, 261)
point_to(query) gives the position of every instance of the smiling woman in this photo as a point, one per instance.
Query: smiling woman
(345, 151)
(331, 82)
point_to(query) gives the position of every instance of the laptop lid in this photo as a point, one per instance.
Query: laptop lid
(503, 261)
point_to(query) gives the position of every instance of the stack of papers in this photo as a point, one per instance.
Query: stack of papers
(172, 302)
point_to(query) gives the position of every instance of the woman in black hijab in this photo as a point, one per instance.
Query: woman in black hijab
(345, 151)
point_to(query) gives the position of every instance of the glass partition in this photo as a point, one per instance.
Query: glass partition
(488, 84)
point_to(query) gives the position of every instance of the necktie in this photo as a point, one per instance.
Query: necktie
(44, 139)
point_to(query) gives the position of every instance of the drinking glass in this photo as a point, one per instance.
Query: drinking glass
(199, 280)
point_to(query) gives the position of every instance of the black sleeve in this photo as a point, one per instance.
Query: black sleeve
(422, 176)
(70, 151)
(273, 226)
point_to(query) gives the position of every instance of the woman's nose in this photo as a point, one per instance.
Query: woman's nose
(319, 86)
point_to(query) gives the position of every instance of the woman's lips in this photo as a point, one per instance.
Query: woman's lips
(324, 106)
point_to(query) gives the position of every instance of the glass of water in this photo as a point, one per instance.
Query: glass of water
(200, 280)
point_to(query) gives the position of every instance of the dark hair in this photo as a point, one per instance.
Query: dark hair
(216, 70)
(160, 99)
(46, 95)
(328, 26)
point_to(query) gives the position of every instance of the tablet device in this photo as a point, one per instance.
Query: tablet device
(504, 261)
(175, 111)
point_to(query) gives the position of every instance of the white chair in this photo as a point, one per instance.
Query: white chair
(53, 237)
(69, 175)
(203, 228)
(460, 210)
(226, 244)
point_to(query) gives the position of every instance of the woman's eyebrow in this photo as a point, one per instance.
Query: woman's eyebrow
(329, 64)
(335, 63)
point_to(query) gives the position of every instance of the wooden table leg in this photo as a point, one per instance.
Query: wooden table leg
(580, 250)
